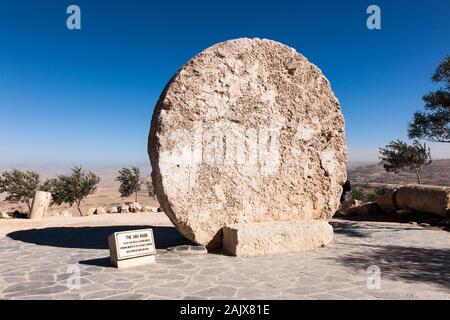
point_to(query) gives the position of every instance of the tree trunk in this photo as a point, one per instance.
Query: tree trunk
(136, 197)
(419, 181)
(79, 210)
(29, 207)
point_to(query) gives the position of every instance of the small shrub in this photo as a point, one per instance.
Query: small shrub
(130, 182)
(363, 192)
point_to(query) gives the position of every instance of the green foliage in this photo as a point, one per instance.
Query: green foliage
(19, 185)
(150, 189)
(434, 123)
(363, 192)
(398, 155)
(72, 189)
(130, 181)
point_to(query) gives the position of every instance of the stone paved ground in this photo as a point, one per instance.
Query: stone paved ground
(414, 264)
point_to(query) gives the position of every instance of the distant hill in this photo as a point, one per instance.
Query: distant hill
(107, 174)
(438, 173)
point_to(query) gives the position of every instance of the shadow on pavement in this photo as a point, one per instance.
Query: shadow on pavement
(93, 237)
(403, 216)
(409, 263)
(100, 262)
(355, 229)
(348, 229)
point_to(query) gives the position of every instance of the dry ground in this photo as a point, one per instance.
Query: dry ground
(104, 197)
(437, 173)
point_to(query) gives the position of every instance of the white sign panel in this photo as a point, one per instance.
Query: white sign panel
(136, 243)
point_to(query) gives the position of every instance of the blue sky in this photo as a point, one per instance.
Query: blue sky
(87, 96)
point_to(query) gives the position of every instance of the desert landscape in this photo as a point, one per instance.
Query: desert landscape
(367, 176)
(437, 173)
(107, 194)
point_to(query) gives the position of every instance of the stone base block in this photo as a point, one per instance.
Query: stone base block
(268, 238)
(134, 262)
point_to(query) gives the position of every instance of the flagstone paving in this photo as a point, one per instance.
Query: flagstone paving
(414, 263)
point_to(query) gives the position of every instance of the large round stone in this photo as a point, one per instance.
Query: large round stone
(247, 131)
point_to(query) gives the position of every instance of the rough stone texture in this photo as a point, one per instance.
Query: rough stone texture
(124, 209)
(135, 207)
(100, 210)
(349, 204)
(267, 238)
(89, 212)
(41, 202)
(113, 210)
(362, 209)
(4, 215)
(433, 199)
(386, 197)
(247, 131)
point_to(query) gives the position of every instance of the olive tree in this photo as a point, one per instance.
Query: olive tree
(19, 186)
(73, 188)
(130, 182)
